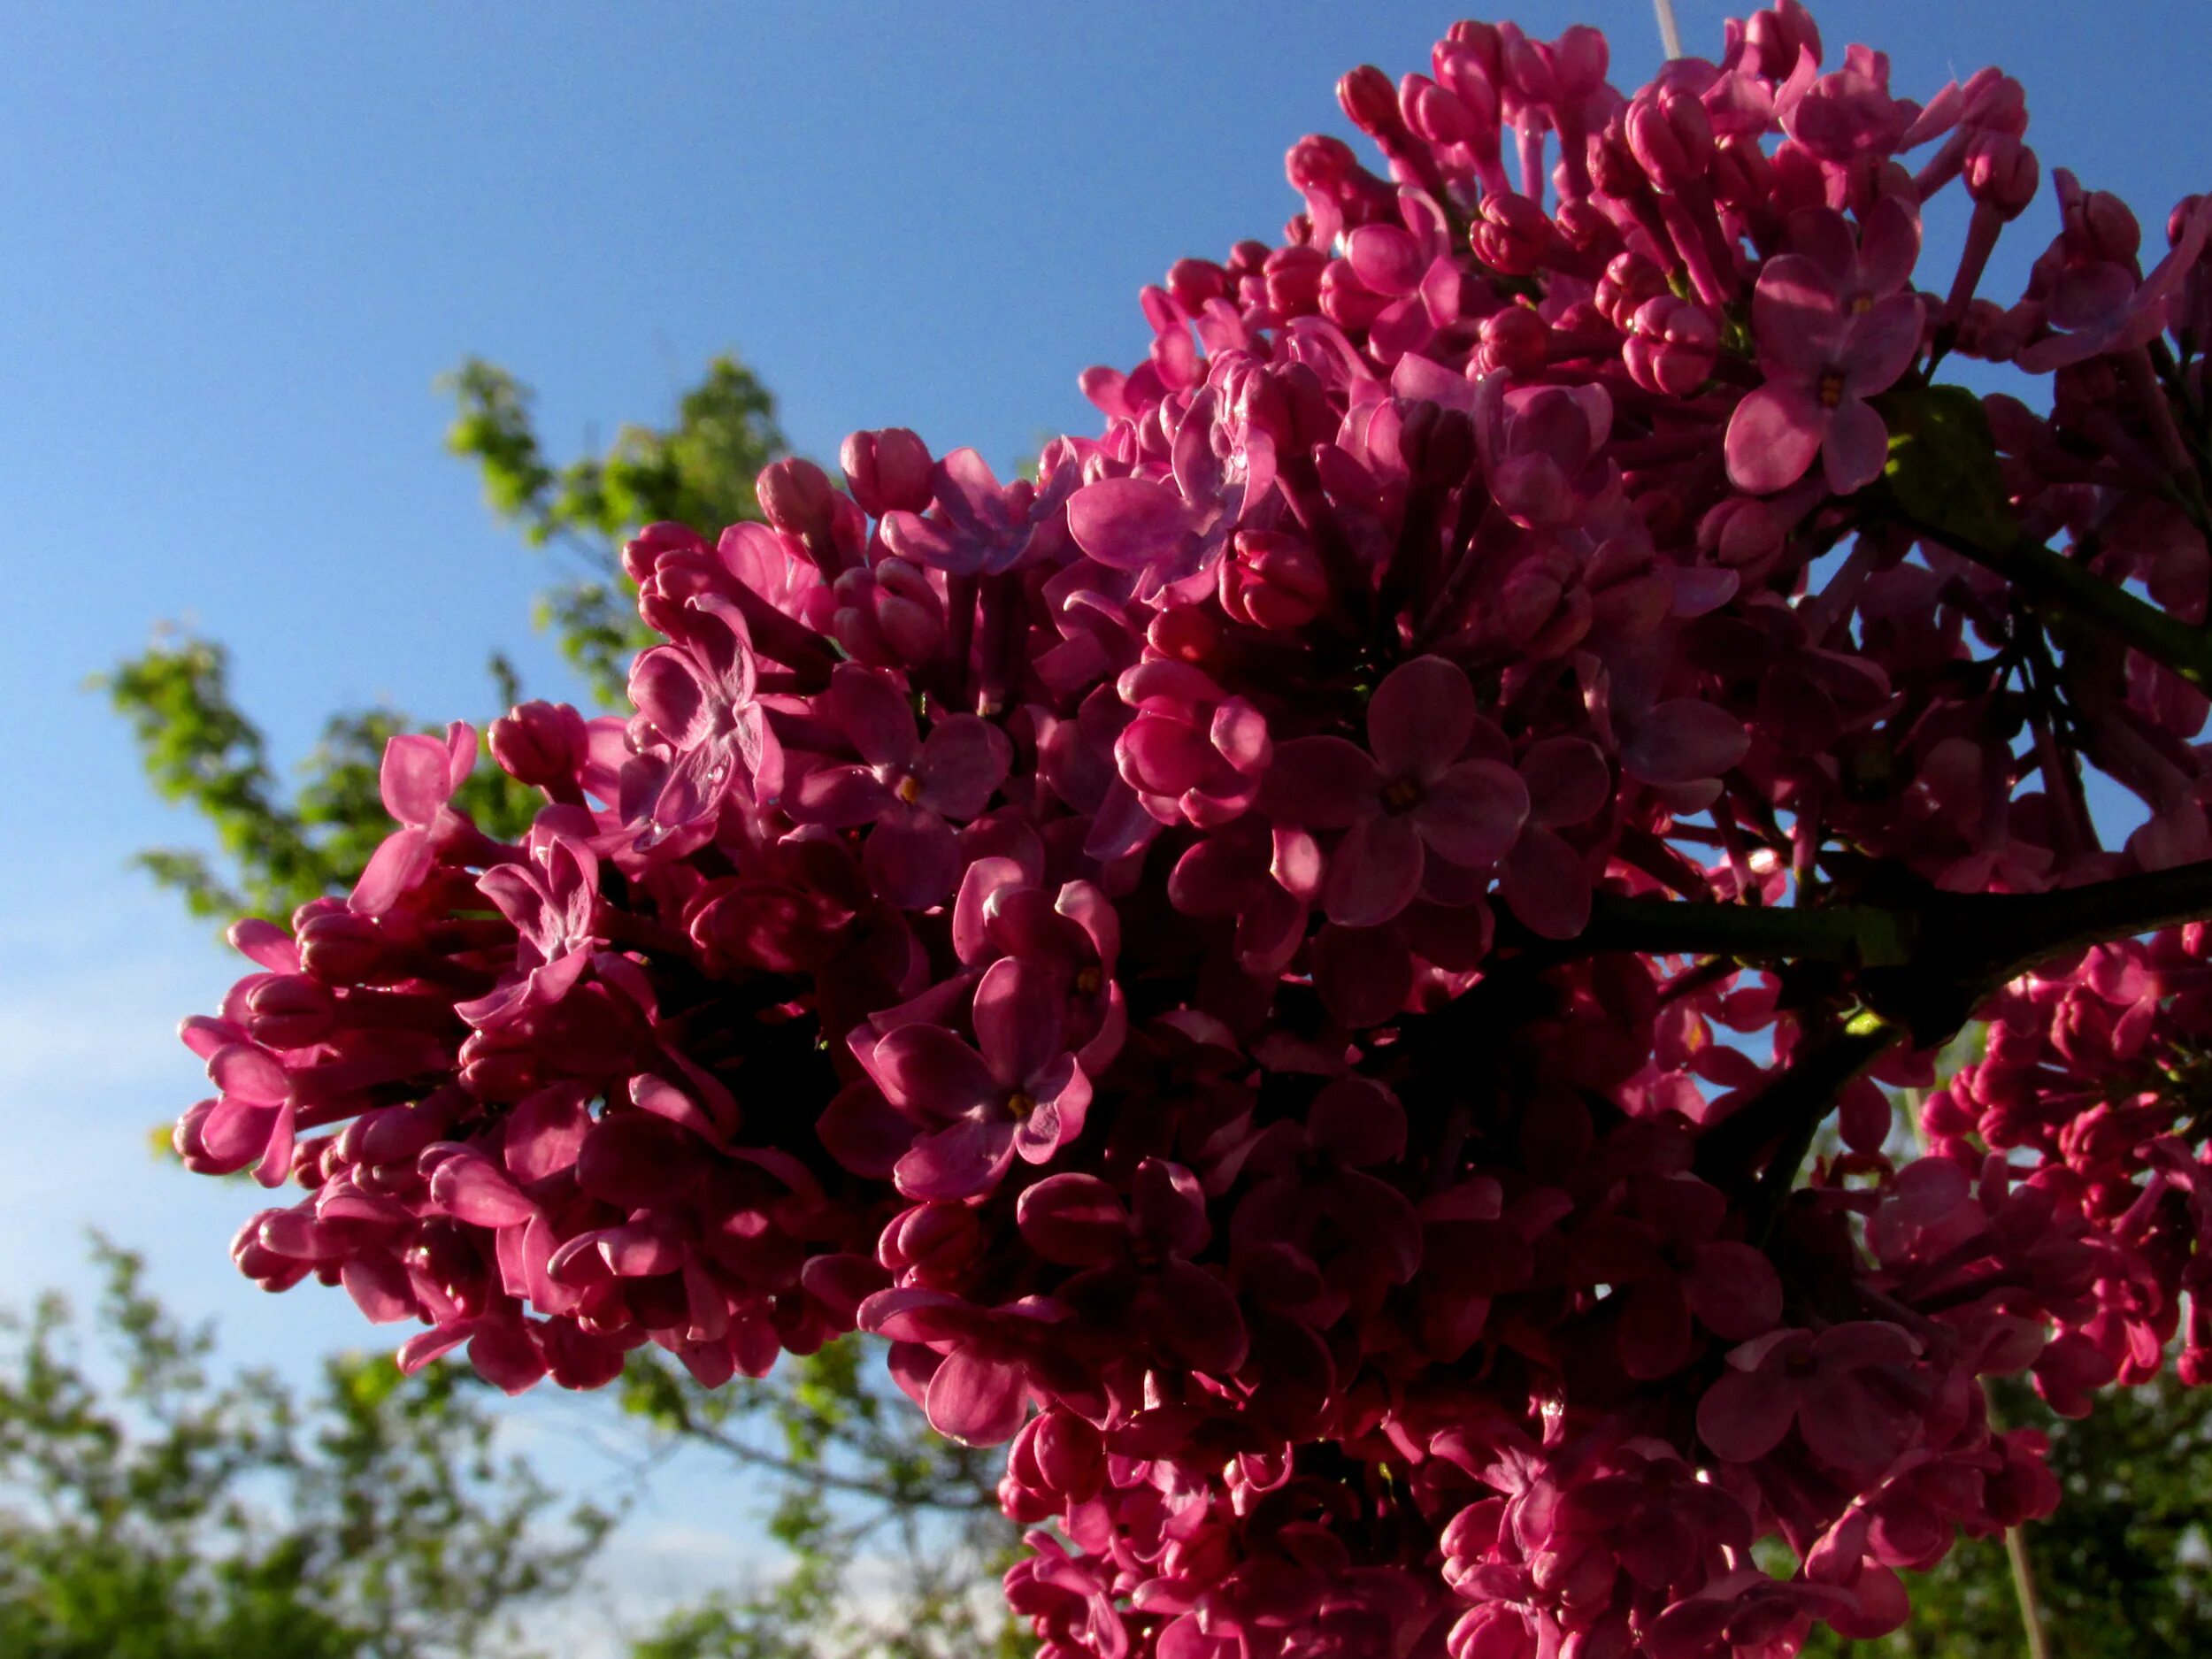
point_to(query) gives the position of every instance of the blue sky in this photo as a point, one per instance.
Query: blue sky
(237, 243)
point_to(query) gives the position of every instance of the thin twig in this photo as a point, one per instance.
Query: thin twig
(2024, 1588)
(1669, 33)
(2051, 579)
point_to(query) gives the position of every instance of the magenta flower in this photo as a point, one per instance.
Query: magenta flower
(418, 777)
(1848, 1390)
(2098, 306)
(972, 1369)
(694, 698)
(1411, 797)
(906, 787)
(983, 527)
(553, 901)
(1024, 1093)
(1138, 1285)
(1829, 338)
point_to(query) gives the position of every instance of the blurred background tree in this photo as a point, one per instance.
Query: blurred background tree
(172, 1514)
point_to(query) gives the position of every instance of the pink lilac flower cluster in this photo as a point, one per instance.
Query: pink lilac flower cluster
(1147, 939)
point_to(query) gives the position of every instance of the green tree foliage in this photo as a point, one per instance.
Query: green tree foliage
(698, 471)
(173, 1515)
(282, 846)
(853, 1483)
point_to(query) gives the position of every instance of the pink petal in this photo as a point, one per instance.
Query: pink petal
(546, 1131)
(973, 908)
(468, 1187)
(959, 1162)
(250, 1072)
(504, 1355)
(1073, 1221)
(1169, 1207)
(1364, 974)
(1128, 522)
(237, 1131)
(1855, 448)
(1773, 436)
(873, 713)
(380, 1287)
(266, 944)
(927, 1068)
(413, 778)
(1684, 741)
(1796, 317)
(1420, 718)
(665, 687)
(912, 857)
(1567, 780)
(1020, 1019)
(1062, 1098)
(419, 1350)
(1320, 782)
(1473, 814)
(1881, 346)
(842, 797)
(1357, 1123)
(1547, 885)
(961, 766)
(1889, 246)
(863, 1132)
(977, 1401)
(1374, 872)
(1734, 1291)
(1851, 1426)
(913, 1315)
(399, 863)
(1386, 259)
(1744, 1416)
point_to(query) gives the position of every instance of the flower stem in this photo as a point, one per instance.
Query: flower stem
(2065, 584)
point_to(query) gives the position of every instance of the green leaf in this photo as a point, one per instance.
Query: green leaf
(1943, 469)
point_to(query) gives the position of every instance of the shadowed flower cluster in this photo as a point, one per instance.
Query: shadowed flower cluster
(1289, 962)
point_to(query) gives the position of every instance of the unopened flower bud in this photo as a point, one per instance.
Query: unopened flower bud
(1629, 279)
(1348, 301)
(1671, 137)
(289, 1010)
(1195, 282)
(1318, 161)
(1515, 339)
(1586, 228)
(1293, 280)
(1437, 114)
(642, 553)
(542, 744)
(1370, 101)
(1580, 57)
(1480, 43)
(1773, 39)
(794, 497)
(1513, 235)
(1273, 580)
(339, 948)
(887, 471)
(2002, 172)
(1526, 65)
(1671, 346)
